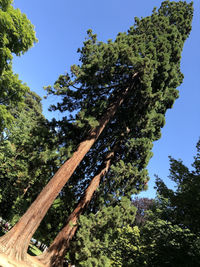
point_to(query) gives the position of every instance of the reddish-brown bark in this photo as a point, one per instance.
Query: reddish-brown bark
(15, 242)
(54, 255)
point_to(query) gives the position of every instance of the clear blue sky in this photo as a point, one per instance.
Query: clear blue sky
(61, 28)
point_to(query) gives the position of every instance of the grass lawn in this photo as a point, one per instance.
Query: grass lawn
(33, 250)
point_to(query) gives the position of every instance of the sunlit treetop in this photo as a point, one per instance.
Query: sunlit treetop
(17, 35)
(146, 59)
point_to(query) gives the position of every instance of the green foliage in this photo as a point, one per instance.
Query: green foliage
(167, 244)
(145, 59)
(170, 236)
(101, 236)
(184, 202)
(126, 248)
(26, 158)
(29, 155)
(150, 50)
(17, 35)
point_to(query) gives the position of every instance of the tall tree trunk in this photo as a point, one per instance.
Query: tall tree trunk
(54, 255)
(15, 243)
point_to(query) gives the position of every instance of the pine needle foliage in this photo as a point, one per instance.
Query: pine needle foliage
(150, 51)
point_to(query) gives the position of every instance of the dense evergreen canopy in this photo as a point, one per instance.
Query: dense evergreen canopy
(152, 48)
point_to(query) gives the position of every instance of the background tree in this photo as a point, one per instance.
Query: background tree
(17, 35)
(184, 201)
(143, 205)
(170, 235)
(27, 158)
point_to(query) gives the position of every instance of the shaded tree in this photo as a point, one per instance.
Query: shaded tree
(165, 243)
(183, 202)
(170, 236)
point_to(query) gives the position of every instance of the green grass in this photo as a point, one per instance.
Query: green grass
(33, 250)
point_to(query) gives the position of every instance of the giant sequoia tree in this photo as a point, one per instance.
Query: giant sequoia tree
(121, 87)
(124, 133)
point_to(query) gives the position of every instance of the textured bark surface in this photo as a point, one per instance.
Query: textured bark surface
(30, 262)
(54, 256)
(15, 242)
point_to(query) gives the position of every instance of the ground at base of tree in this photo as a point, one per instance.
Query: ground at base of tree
(6, 262)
